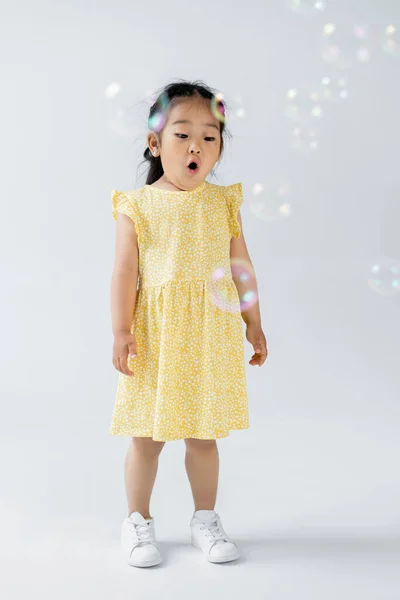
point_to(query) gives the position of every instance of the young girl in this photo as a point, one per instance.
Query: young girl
(179, 351)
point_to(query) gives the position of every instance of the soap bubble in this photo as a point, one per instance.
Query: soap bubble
(344, 46)
(128, 118)
(384, 276)
(237, 116)
(304, 103)
(158, 119)
(335, 89)
(304, 139)
(307, 7)
(128, 121)
(112, 89)
(270, 203)
(391, 41)
(218, 106)
(224, 292)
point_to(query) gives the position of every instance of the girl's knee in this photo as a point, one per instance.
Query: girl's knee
(147, 445)
(197, 444)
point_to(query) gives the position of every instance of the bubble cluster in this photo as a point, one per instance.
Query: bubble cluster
(308, 7)
(344, 46)
(304, 103)
(271, 203)
(304, 139)
(245, 281)
(334, 89)
(390, 41)
(384, 276)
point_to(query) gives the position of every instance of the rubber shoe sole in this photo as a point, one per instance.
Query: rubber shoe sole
(217, 559)
(144, 563)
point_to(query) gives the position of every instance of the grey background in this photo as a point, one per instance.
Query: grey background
(311, 491)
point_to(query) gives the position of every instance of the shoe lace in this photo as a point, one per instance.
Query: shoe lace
(214, 531)
(141, 532)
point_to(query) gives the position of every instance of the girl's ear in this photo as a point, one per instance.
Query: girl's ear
(152, 143)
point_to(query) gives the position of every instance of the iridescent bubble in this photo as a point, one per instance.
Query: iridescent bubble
(363, 54)
(307, 7)
(345, 46)
(159, 117)
(384, 276)
(239, 294)
(150, 97)
(391, 41)
(112, 89)
(127, 117)
(236, 115)
(127, 121)
(304, 139)
(271, 203)
(334, 89)
(218, 107)
(329, 29)
(360, 32)
(304, 103)
(157, 121)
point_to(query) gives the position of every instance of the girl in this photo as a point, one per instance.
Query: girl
(180, 353)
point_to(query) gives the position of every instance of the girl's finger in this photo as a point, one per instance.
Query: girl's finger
(255, 357)
(259, 358)
(124, 365)
(121, 366)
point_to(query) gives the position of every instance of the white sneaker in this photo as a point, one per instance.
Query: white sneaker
(138, 541)
(208, 534)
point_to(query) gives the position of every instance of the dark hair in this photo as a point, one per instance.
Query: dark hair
(170, 95)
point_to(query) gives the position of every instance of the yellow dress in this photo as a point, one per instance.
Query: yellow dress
(189, 375)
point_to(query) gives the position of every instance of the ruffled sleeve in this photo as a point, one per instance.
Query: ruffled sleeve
(126, 203)
(234, 199)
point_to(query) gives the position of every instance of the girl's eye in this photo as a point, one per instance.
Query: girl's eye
(184, 134)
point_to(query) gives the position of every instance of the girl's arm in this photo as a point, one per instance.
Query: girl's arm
(124, 288)
(125, 274)
(251, 316)
(238, 249)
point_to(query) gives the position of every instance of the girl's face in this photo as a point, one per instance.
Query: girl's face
(190, 133)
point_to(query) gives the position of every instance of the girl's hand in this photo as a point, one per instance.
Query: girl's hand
(256, 337)
(124, 344)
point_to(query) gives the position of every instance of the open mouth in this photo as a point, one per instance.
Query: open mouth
(193, 167)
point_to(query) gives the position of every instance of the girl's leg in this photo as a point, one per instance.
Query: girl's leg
(141, 466)
(202, 467)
